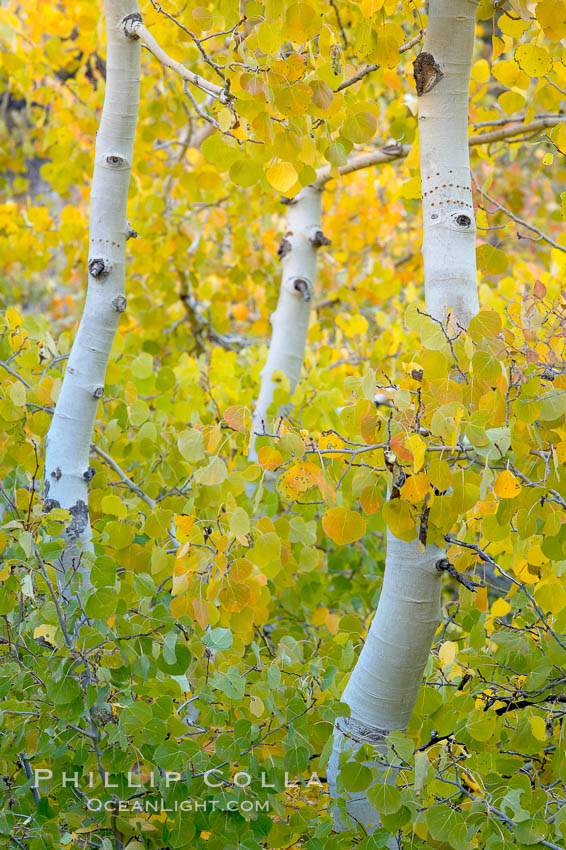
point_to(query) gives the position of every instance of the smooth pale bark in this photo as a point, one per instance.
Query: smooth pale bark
(449, 232)
(384, 684)
(67, 468)
(290, 321)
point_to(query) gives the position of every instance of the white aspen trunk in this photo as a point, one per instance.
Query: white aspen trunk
(384, 684)
(67, 445)
(449, 232)
(290, 321)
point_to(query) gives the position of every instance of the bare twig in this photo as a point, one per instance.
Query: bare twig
(138, 29)
(363, 72)
(489, 560)
(518, 220)
(125, 478)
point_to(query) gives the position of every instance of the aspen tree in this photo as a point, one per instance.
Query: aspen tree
(383, 687)
(68, 443)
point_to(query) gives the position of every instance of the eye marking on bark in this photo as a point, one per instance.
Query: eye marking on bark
(56, 473)
(427, 73)
(99, 266)
(98, 392)
(89, 474)
(301, 285)
(114, 160)
(463, 220)
(119, 303)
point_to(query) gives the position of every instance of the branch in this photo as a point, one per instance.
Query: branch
(489, 560)
(15, 374)
(398, 151)
(370, 68)
(140, 31)
(518, 220)
(516, 130)
(386, 154)
(444, 565)
(125, 478)
(29, 774)
(197, 41)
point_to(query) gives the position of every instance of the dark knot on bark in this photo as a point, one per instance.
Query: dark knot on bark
(427, 73)
(444, 566)
(128, 25)
(285, 248)
(99, 266)
(119, 303)
(301, 285)
(319, 239)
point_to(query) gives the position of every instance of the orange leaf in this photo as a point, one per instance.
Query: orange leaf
(398, 446)
(200, 608)
(343, 526)
(238, 418)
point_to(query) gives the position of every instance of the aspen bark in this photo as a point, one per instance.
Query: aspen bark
(290, 321)
(67, 445)
(383, 687)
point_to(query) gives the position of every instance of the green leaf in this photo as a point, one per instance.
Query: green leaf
(356, 776)
(385, 798)
(191, 445)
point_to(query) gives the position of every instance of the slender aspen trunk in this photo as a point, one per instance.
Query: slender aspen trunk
(290, 321)
(384, 684)
(67, 468)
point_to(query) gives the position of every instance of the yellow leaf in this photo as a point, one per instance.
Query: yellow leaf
(538, 727)
(184, 522)
(417, 446)
(303, 475)
(506, 485)
(534, 61)
(447, 652)
(480, 599)
(500, 608)
(257, 706)
(399, 518)
(343, 526)
(224, 119)
(112, 504)
(269, 458)
(282, 176)
(551, 15)
(370, 7)
(46, 632)
(416, 487)
(13, 318)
